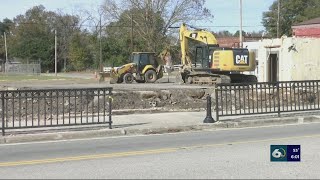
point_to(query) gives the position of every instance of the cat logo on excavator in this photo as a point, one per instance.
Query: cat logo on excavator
(242, 60)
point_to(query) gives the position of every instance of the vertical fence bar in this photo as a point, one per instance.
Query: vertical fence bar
(306, 92)
(287, 101)
(110, 108)
(313, 93)
(261, 95)
(299, 96)
(269, 98)
(39, 99)
(221, 89)
(291, 108)
(32, 109)
(248, 90)
(295, 96)
(51, 107)
(257, 97)
(235, 99)
(13, 121)
(278, 97)
(19, 108)
(252, 93)
(63, 95)
(69, 105)
(26, 103)
(87, 106)
(265, 98)
(81, 103)
(93, 96)
(230, 92)
(57, 115)
(3, 111)
(239, 89)
(6, 108)
(98, 105)
(75, 106)
(104, 105)
(282, 96)
(244, 98)
(318, 94)
(45, 93)
(274, 98)
(302, 98)
(217, 101)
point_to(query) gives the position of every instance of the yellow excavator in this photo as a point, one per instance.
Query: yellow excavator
(212, 64)
(145, 67)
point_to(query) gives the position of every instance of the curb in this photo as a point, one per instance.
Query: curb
(159, 130)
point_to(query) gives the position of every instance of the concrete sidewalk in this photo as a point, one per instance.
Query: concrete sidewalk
(158, 123)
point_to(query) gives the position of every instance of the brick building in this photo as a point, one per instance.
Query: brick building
(310, 28)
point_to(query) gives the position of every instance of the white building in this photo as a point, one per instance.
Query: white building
(289, 59)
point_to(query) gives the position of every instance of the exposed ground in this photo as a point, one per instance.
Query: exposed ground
(165, 94)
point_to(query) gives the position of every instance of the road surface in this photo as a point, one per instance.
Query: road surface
(232, 153)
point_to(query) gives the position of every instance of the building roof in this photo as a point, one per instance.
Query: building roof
(309, 22)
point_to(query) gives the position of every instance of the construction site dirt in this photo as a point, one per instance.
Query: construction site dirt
(163, 96)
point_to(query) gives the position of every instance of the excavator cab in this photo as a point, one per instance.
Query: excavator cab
(203, 56)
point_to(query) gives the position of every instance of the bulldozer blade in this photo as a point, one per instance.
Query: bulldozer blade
(113, 80)
(179, 79)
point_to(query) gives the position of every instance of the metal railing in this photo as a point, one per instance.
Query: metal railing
(263, 98)
(55, 107)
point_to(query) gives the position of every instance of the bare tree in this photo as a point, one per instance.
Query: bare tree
(151, 17)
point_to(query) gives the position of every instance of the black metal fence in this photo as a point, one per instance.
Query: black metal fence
(55, 107)
(262, 98)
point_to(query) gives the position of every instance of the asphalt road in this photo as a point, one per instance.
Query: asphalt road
(233, 153)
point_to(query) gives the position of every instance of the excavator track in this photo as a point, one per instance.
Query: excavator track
(201, 78)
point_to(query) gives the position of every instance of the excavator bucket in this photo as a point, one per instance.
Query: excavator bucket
(113, 77)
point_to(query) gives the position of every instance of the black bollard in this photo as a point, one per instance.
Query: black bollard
(209, 118)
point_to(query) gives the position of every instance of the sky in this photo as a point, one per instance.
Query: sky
(226, 12)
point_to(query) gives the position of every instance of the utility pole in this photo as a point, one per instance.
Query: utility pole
(131, 32)
(5, 46)
(55, 52)
(278, 21)
(100, 63)
(240, 33)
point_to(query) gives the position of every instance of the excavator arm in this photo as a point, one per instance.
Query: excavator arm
(196, 35)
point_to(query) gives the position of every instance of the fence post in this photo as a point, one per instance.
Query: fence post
(2, 115)
(208, 118)
(217, 102)
(278, 97)
(110, 108)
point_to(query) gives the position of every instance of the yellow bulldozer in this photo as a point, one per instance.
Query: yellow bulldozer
(145, 67)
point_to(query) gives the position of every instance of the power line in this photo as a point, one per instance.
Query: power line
(129, 26)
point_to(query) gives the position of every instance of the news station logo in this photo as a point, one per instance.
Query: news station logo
(285, 153)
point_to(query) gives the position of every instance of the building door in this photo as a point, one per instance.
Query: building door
(273, 68)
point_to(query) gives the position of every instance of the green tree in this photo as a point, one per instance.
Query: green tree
(291, 12)
(5, 27)
(32, 36)
(80, 54)
(238, 33)
(224, 33)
